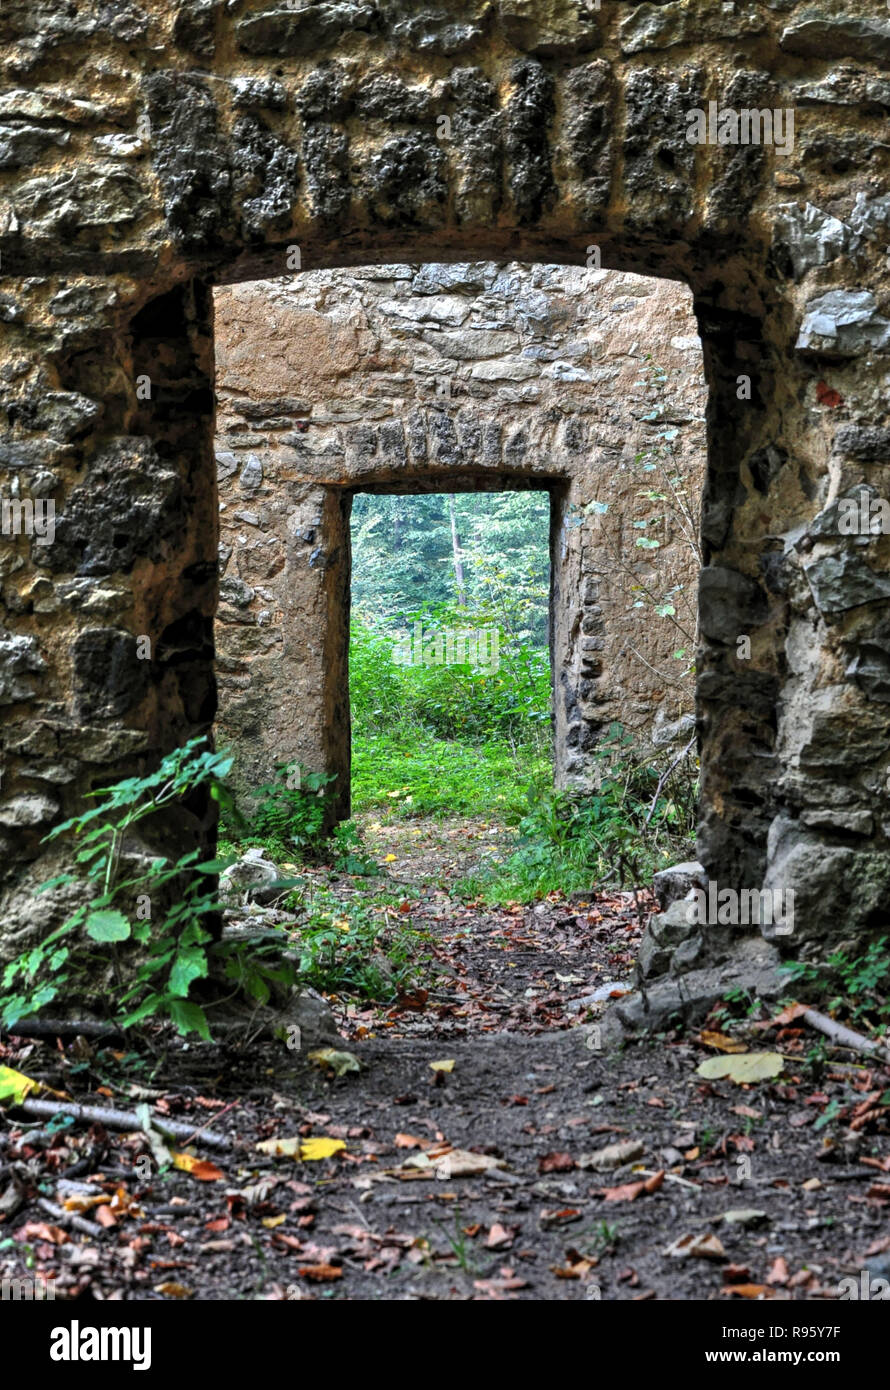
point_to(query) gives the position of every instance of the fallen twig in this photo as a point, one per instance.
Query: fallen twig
(63, 1028)
(68, 1218)
(665, 775)
(201, 1133)
(668, 1177)
(120, 1119)
(845, 1037)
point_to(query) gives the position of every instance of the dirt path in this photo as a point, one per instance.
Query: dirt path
(482, 1176)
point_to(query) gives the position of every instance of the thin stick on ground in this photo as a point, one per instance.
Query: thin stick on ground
(68, 1218)
(63, 1028)
(846, 1037)
(664, 777)
(121, 1119)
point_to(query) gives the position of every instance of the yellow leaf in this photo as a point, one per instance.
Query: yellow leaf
(280, 1148)
(743, 1067)
(15, 1086)
(199, 1168)
(312, 1149)
(443, 1066)
(270, 1222)
(83, 1203)
(309, 1150)
(721, 1042)
(389, 858)
(341, 1062)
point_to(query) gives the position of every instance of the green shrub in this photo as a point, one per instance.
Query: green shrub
(174, 950)
(447, 740)
(291, 812)
(855, 985)
(354, 948)
(636, 821)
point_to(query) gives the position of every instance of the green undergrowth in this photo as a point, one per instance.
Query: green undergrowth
(361, 946)
(848, 983)
(616, 836)
(416, 774)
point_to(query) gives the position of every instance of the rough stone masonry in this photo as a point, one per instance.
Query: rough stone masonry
(450, 377)
(151, 150)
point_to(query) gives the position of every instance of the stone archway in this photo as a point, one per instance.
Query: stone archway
(151, 151)
(393, 379)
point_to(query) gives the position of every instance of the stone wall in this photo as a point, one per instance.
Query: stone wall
(450, 377)
(152, 150)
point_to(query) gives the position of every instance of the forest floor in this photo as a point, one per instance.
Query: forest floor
(486, 1149)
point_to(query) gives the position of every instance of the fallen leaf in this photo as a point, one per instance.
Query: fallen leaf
(14, 1086)
(415, 999)
(793, 1011)
(701, 1246)
(41, 1230)
(200, 1168)
(573, 1271)
(270, 1222)
(321, 1273)
(499, 1238)
(173, 1290)
(882, 1163)
(721, 1042)
(507, 1282)
(313, 1149)
(747, 1291)
(613, 1155)
(629, 1191)
(460, 1163)
(745, 1216)
(555, 1163)
(411, 1141)
(779, 1272)
(83, 1202)
(339, 1062)
(563, 1216)
(827, 395)
(309, 1150)
(742, 1068)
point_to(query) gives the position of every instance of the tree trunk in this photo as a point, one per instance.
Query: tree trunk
(458, 555)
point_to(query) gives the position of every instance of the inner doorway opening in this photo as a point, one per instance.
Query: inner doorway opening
(450, 652)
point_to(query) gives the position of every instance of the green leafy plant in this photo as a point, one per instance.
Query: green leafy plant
(639, 817)
(291, 812)
(349, 853)
(857, 985)
(448, 740)
(167, 953)
(357, 948)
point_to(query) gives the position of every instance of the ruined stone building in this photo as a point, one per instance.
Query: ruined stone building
(448, 377)
(151, 151)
